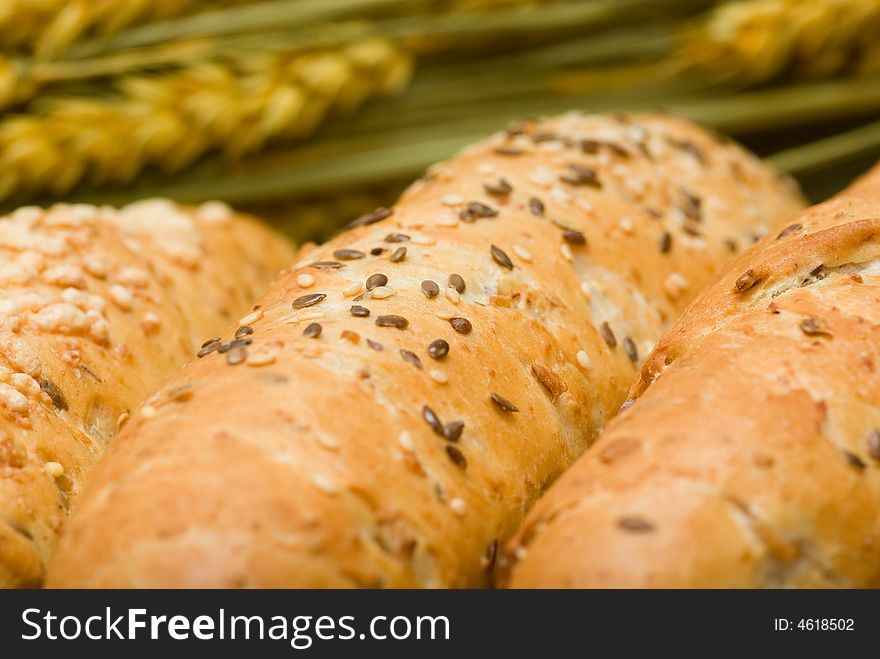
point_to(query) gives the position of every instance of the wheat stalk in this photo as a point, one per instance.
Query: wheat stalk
(168, 121)
(755, 41)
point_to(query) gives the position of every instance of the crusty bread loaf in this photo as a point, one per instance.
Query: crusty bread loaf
(394, 436)
(754, 461)
(97, 306)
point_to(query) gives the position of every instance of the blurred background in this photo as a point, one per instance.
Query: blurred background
(310, 112)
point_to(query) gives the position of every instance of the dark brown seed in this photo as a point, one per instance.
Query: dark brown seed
(502, 403)
(309, 300)
(312, 331)
(59, 402)
(396, 238)
(348, 254)
(635, 524)
(328, 265)
(692, 206)
(244, 330)
(235, 343)
(500, 189)
(359, 311)
(665, 242)
(489, 556)
(477, 209)
(461, 325)
(814, 327)
(730, 244)
(790, 229)
(438, 349)
(457, 282)
(376, 280)
(874, 444)
(590, 146)
(536, 206)
(690, 148)
(208, 348)
(580, 175)
(507, 150)
(452, 431)
(392, 321)
(691, 231)
(746, 281)
(375, 345)
(501, 258)
(855, 461)
(411, 357)
(432, 420)
(398, 255)
(631, 350)
(608, 335)
(210, 341)
(370, 218)
(456, 456)
(574, 237)
(617, 150)
(377, 251)
(430, 288)
(236, 356)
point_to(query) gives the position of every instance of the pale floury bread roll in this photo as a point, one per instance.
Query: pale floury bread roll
(752, 455)
(97, 306)
(425, 374)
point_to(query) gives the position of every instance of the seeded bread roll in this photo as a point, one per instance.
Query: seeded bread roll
(427, 372)
(752, 455)
(97, 306)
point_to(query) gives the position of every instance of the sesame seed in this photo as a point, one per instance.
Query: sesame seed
(438, 376)
(675, 284)
(406, 441)
(502, 403)
(371, 218)
(392, 321)
(447, 221)
(374, 281)
(310, 315)
(305, 280)
(54, 469)
(432, 420)
(573, 237)
(430, 288)
(583, 359)
(790, 229)
(536, 206)
(631, 351)
(626, 225)
(398, 255)
(522, 253)
(396, 238)
(243, 331)
(382, 292)
(312, 331)
(438, 349)
(359, 311)
(458, 506)
(451, 199)
(453, 296)
(323, 483)
(457, 282)
(608, 335)
(566, 252)
(500, 189)
(452, 431)
(445, 313)
(423, 239)
(375, 345)
(261, 358)
(635, 525)
(461, 325)
(501, 258)
(148, 411)
(353, 289)
(485, 168)
(348, 254)
(252, 317)
(586, 289)
(456, 456)
(308, 300)
(874, 444)
(411, 357)
(814, 327)
(236, 356)
(665, 242)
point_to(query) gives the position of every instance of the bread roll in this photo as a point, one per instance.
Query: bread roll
(752, 455)
(426, 373)
(97, 306)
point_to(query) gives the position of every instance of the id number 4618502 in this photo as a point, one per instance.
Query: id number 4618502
(814, 625)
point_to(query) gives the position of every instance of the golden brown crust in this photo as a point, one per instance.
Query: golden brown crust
(321, 467)
(752, 455)
(97, 306)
